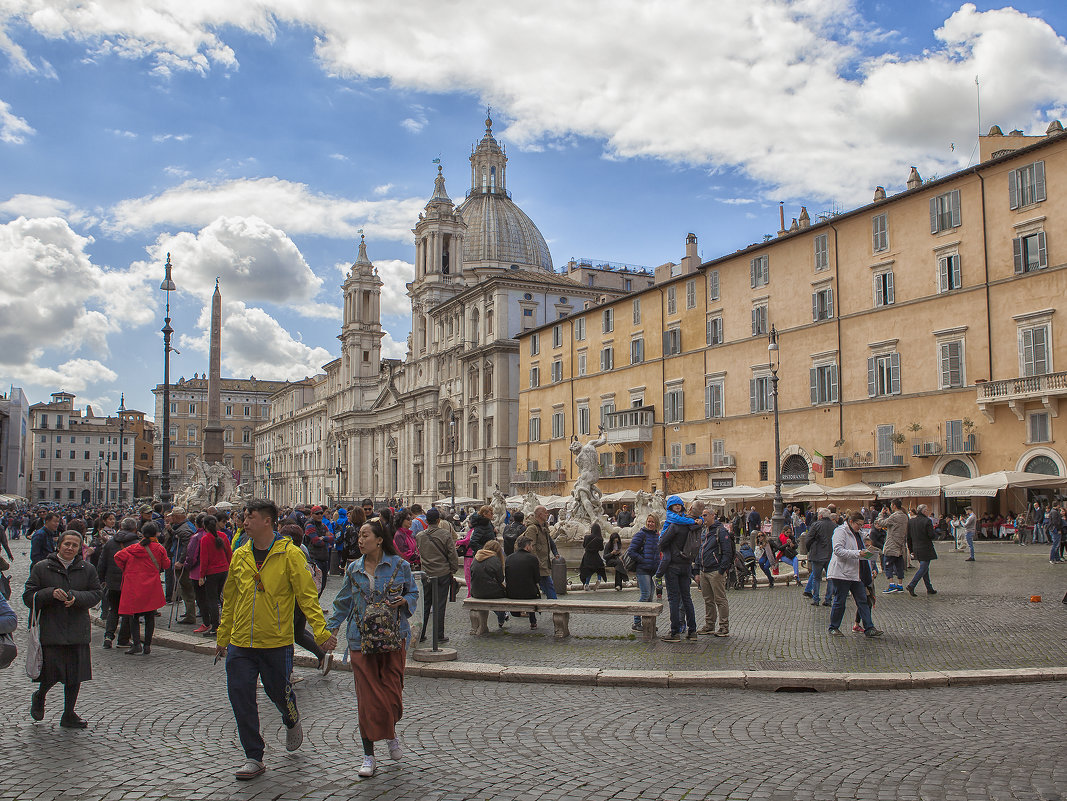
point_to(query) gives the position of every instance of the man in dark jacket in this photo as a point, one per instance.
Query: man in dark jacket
(43, 541)
(319, 540)
(1054, 529)
(512, 532)
(921, 542)
(713, 562)
(819, 542)
(625, 518)
(522, 574)
(677, 569)
(111, 580)
(753, 522)
(181, 530)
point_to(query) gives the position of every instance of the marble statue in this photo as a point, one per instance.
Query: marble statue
(210, 484)
(500, 510)
(585, 508)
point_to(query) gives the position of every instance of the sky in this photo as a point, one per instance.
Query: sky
(254, 139)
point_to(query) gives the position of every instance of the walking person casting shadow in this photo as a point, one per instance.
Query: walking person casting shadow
(378, 597)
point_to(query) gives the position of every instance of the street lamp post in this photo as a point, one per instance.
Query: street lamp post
(778, 518)
(107, 475)
(122, 434)
(452, 428)
(338, 472)
(266, 493)
(164, 478)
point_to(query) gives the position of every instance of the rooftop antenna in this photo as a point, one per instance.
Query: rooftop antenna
(978, 92)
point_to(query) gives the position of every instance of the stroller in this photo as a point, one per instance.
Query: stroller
(744, 567)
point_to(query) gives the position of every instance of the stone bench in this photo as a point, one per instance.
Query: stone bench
(562, 609)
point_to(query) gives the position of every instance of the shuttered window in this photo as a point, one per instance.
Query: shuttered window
(674, 406)
(945, 211)
(672, 342)
(822, 304)
(950, 361)
(1026, 185)
(880, 233)
(884, 291)
(949, 276)
(713, 399)
(713, 285)
(1029, 252)
(760, 271)
(637, 351)
(883, 375)
(823, 384)
(714, 331)
(1034, 350)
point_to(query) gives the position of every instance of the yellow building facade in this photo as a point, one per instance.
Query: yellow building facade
(916, 335)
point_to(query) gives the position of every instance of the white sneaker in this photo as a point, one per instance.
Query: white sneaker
(395, 752)
(369, 767)
(326, 664)
(294, 737)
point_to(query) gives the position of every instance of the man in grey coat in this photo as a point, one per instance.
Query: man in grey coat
(437, 551)
(819, 542)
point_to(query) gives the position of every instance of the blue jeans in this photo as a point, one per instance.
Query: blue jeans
(969, 536)
(548, 589)
(680, 600)
(644, 583)
(273, 666)
(1056, 535)
(765, 566)
(922, 573)
(818, 570)
(842, 588)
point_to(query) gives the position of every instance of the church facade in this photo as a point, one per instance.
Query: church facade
(445, 418)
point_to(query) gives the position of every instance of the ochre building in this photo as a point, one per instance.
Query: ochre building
(917, 335)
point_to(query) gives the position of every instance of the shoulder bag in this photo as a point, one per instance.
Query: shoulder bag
(34, 655)
(379, 626)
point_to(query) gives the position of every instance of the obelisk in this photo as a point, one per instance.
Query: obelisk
(213, 430)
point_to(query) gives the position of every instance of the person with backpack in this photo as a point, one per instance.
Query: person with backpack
(377, 598)
(257, 638)
(319, 540)
(512, 531)
(713, 562)
(679, 544)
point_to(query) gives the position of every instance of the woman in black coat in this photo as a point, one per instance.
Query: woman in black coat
(487, 575)
(592, 562)
(613, 552)
(63, 587)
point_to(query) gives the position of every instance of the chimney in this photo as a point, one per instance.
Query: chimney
(692, 257)
(914, 180)
(1054, 128)
(781, 219)
(805, 219)
(879, 193)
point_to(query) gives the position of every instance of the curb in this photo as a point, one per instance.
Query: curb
(764, 680)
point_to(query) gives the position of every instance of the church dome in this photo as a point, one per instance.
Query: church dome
(497, 229)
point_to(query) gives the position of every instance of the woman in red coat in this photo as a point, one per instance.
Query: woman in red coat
(142, 591)
(215, 555)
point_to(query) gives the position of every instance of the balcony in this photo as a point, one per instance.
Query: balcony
(537, 477)
(630, 425)
(1016, 392)
(699, 461)
(622, 469)
(869, 461)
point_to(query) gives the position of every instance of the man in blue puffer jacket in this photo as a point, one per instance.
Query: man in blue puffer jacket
(644, 549)
(677, 568)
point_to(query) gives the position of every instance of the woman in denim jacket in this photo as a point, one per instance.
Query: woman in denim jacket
(379, 677)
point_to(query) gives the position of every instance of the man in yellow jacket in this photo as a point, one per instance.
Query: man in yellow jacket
(268, 577)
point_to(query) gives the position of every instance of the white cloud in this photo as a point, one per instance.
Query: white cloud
(13, 129)
(176, 172)
(339, 157)
(736, 201)
(290, 206)
(56, 299)
(122, 133)
(254, 343)
(168, 137)
(391, 349)
(395, 275)
(417, 121)
(804, 96)
(254, 260)
(383, 189)
(44, 206)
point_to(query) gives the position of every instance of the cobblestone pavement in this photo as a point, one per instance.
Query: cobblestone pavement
(161, 727)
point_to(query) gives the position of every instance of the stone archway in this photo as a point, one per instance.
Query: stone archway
(958, 463)
(1040, 460)
(798, 461)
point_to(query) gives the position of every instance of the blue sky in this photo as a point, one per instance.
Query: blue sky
(254, 139)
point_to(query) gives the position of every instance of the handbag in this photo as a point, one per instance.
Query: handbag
(5, 586)
(8, 651)
(629, 562)
(379, 626)
(34, 654)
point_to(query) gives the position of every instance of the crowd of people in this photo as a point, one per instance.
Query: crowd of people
(215, 566)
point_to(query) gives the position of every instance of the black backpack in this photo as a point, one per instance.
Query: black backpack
(691, 547)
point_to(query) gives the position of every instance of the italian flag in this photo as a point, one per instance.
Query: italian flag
(816, 463)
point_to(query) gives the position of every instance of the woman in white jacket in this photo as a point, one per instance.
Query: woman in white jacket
(851, 573)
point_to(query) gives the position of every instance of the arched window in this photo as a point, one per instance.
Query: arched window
(472, 433)
(489, 322)
(472, 382)
(957, 467)
(492, 179)
(476, 328)
(795, 470)
(1042, 464)
(487, 381)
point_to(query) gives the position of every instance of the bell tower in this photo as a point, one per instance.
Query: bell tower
(489, 163)
(361, 330)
